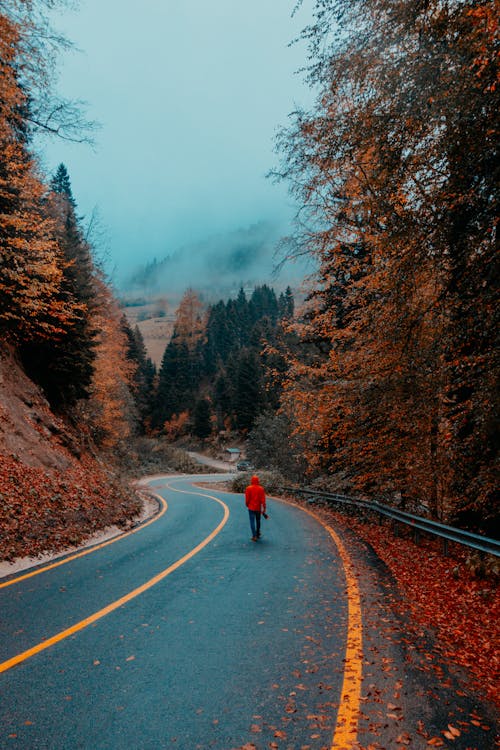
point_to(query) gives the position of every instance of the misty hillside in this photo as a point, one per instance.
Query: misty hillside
(215, 266)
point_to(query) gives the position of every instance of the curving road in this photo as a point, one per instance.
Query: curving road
(184, 634)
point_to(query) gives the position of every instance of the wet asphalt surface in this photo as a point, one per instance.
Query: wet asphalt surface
(242, 646)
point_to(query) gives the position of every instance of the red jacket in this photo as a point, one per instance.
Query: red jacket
(255, 497)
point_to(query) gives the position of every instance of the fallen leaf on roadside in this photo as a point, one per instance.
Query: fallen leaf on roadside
(404, 738)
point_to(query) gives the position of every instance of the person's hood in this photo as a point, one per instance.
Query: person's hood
(255, 480)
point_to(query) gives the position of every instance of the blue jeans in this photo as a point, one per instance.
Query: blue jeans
(254, 522)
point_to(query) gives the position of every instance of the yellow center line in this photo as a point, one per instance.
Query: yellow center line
(88, 551)
(346, 729)
(4, 666)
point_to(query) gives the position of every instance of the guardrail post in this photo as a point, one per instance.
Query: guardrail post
(416, 536)
(445, 547)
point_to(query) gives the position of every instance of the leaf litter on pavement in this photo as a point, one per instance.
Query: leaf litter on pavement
(446, 622)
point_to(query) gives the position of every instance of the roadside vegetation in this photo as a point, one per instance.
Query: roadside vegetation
(449, 606)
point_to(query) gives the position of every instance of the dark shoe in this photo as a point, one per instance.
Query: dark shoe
(258, 536)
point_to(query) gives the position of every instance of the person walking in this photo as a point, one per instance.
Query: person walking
(255, 500)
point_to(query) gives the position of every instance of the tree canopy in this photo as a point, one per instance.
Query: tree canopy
(396, 172)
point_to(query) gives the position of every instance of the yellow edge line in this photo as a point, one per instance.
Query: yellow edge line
(89, 551)
(4, 666)
(350, 697)
(345, 735)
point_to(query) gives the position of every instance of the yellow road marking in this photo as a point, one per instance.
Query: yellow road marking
(346, 729)
(89, 551)
(347, 716)
(4, 666)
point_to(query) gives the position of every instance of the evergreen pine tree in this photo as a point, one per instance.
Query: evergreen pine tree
(263, 304)
(61, 184)
(144, 375)
(221, 337)
(178, 381)
(223, 397)
(286, 304)
(63, 365)
(202, 426)
(248, 397)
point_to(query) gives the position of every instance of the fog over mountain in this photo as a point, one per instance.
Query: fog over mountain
(188, 123)
(218, 265)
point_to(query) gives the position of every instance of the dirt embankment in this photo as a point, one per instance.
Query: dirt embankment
(53, 491)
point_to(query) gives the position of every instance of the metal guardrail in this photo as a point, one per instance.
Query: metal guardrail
(417, 523)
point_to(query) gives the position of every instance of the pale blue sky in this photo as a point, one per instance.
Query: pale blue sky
(189, 94)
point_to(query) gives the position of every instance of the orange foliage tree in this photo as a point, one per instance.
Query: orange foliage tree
(189, 323)
(110, 412)
(396, 170)
(176, 426)
(30, 259)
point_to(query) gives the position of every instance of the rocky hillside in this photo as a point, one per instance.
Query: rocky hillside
(54, 491)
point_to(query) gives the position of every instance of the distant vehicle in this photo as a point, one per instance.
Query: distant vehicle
(243, 465)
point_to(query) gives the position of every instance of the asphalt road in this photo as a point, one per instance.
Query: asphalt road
(185, 634)
(239, 643)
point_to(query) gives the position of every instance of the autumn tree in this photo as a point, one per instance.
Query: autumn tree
(110, 411)
(30, 260)
(42, 311)
(396, 169)
(271, 446)
(63, 365)
(189, 324)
